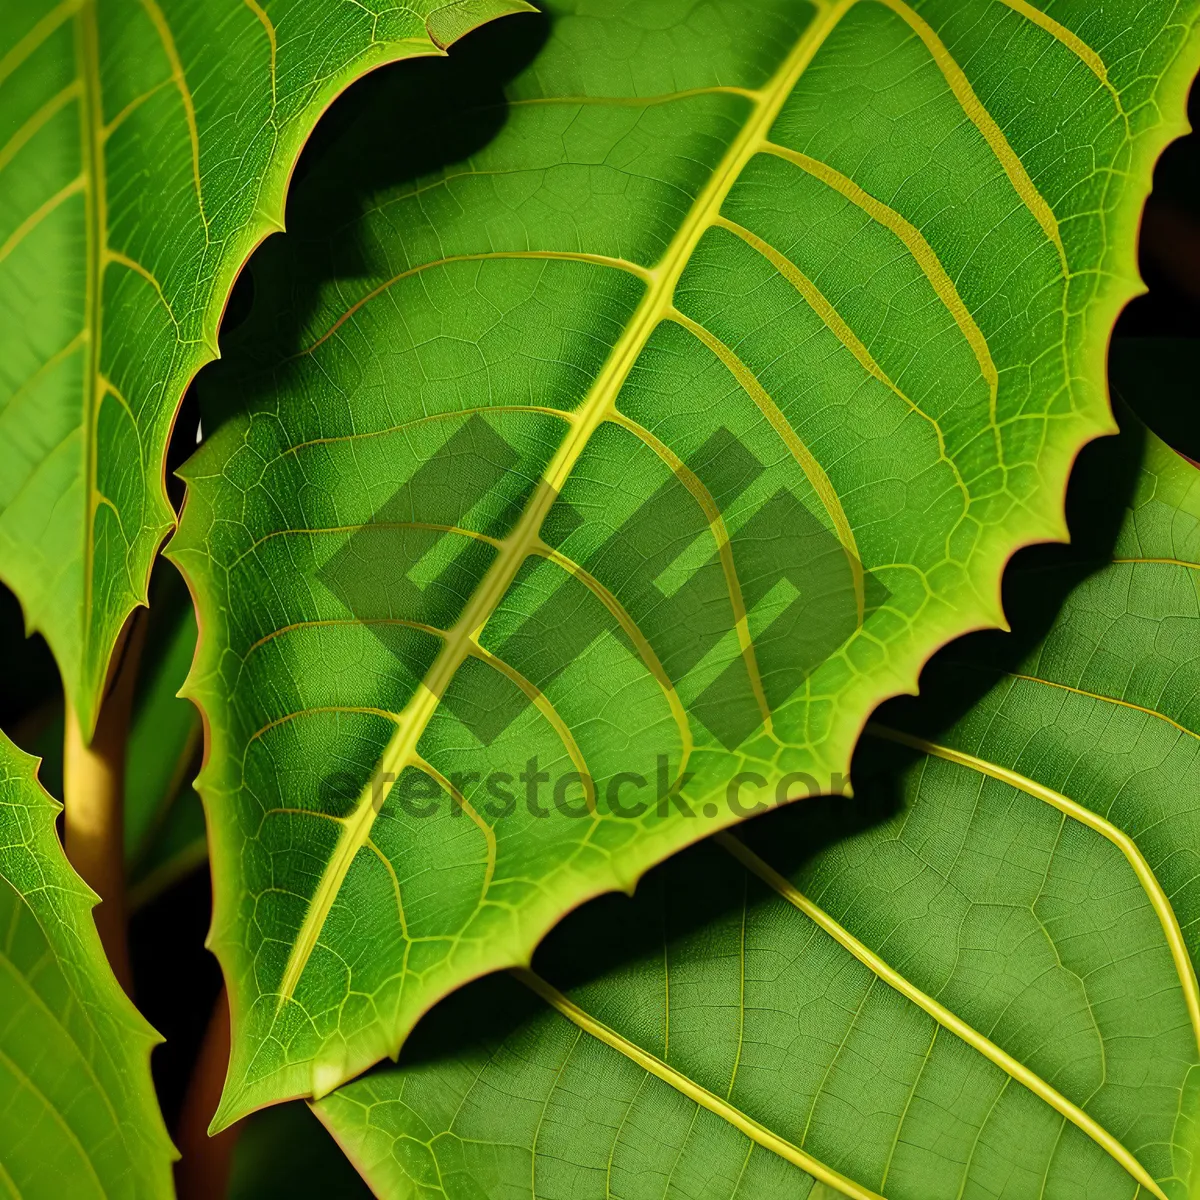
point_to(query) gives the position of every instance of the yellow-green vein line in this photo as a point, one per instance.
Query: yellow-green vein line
(387, 866)
(639, 640)
(132, 107)
(1072, 41)
(804, 457)
(342, 622)
(40, 213)
(546, 707)
(983, 120)
(61, 354)
(319, 710)
(720, 535)
(269, 29)
(131, 264)
(837, 325)
(167, 38)
(448, 415)
(924, 254)
(737, 1058)
(1106, 829)
(1164, 562)
(1150, 712)
(368, 526)
(464, 805)
(37, 121)
(599, 260)
(747, 1125)
(942, 1015)
(37, 36)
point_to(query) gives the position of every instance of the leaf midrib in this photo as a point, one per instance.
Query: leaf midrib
(1155, 894)
(96, 241)
(939, 1012)
(601, 400)
(942, 1017)
(694, 1091)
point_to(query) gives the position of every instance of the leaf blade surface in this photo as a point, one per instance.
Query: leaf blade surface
(147, 151)
(1011, 894)
(677, 299)
(82, 1119)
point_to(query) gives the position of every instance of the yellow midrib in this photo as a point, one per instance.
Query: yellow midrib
(523, 540)
(96, 238)
(741, 1121)
(1071, 808)
(939, 1013)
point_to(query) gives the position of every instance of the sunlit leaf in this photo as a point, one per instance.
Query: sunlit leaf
(80, 1116)
(976, 978)
(145, 149)
(644, 423)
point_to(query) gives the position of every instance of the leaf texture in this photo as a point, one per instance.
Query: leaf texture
(530, 454)
(145, 149)
(976, 978)
(80, 1114)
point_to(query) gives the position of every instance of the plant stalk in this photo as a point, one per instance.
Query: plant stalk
(94, 803)
(202, 1171)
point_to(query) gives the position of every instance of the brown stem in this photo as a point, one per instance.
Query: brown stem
(202, 1172)
(93, 792)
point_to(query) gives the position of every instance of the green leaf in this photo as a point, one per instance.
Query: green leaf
(975, 978)
(179, 846)
(164, 731)
(145, 149)
(713, 310)
(81, 1119)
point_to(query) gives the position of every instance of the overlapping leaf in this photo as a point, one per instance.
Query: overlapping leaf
(524, 469)
(145, 148)
(79, 1112)
(976, 978)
